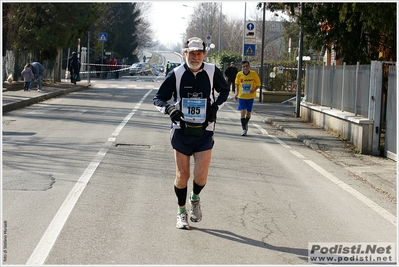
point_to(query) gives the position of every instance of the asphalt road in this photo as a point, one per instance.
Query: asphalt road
(88, 179)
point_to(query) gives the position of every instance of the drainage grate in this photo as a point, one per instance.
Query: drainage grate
(134, 145)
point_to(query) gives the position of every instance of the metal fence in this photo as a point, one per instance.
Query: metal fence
(280, 78)
(343, 87)
(390, 148)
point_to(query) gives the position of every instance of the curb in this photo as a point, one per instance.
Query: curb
(34, 100)
(299, 136)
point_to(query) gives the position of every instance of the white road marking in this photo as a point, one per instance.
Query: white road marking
(277, 140)
(49, 237)
(371, 204)
(299, 155)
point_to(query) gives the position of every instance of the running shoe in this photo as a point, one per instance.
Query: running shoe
(244, 132)
(195, 211)
(182, 222)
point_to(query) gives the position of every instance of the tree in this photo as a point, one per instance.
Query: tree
(205, 21)
(47, 27)
(128, 30)
(358, 32)
(377, 23)
(291, 31)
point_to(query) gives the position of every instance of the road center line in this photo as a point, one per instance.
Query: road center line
(49, 237)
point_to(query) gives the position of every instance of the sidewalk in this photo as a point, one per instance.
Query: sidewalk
(14, 98)
(379, 172)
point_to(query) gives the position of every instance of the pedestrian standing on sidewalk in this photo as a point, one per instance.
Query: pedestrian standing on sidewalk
(74, 67)
(98, 66)
(192, 87)
(117, 68)
(247, 82)
(168, 67)
(39, 71)
(28, 76)
(231, 73)
(113, 67)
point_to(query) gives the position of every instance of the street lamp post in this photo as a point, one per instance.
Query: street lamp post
(262, 54)
(299, 73)
(220, 29)
(243, 35)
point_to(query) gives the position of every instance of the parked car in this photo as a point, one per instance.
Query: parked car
(140, 68)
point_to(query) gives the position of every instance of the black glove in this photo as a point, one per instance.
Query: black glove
(174, 114)
(211, 114)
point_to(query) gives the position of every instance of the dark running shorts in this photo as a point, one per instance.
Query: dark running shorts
(188, 145)
(245, 104)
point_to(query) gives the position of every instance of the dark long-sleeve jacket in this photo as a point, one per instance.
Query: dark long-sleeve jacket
(181, 83)
(38, 69)
(231, 73)
(74, 64)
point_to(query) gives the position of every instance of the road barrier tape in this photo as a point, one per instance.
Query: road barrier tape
(112, 71)
(104, 71)
(121, 68)
(107, 65)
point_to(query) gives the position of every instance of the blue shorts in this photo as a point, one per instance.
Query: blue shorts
(245, 104)
(188, 145)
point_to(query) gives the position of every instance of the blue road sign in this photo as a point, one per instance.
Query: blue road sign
(102, 37)
(250, 26)
(249, 49)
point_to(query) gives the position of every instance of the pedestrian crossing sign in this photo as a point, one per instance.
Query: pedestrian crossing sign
(102, 37)
(249, 49)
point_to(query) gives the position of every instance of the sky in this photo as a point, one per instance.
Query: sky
(168, 24)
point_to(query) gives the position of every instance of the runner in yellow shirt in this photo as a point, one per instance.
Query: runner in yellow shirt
(247, 82)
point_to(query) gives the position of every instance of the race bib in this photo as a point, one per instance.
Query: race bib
(194, 109)
(246, 88)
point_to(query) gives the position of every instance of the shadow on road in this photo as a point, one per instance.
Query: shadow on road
(302, 253)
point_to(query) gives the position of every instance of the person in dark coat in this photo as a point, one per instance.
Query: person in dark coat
(231, 73)
(74, 67)
(98, 66)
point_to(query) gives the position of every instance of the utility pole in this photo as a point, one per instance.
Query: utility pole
(243, 32)
(299, 73)
(220, 29)
(88, 58)
(262, 53)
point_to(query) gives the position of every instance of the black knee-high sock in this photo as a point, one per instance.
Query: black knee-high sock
(197, 188)
(181, 196)
(243, 123)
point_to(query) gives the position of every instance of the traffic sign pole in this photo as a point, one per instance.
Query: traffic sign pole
(249, 39)
(88, 57)
(243, 35)
(102, 37)
(208, 39)
(102, 60)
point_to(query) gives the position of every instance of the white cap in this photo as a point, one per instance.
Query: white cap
(194, 44)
